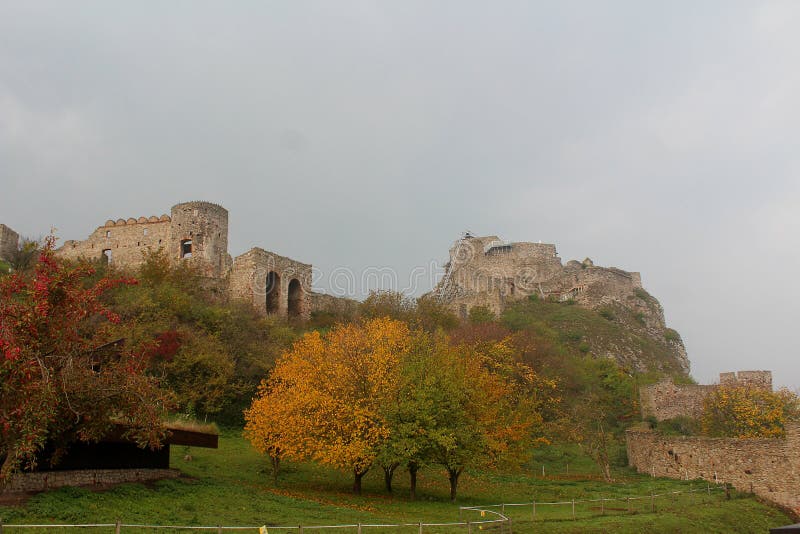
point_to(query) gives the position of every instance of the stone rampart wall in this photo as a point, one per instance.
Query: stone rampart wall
(666, 400)
(124, 242)
(770, 468)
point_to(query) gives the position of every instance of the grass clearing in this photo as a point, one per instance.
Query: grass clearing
(232, 486)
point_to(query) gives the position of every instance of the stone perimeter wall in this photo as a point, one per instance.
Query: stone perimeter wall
(666, 400)
(9, 241)
(41, 481)
(769, 468)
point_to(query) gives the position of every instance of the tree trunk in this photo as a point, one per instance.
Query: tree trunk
(412, 473)
(357, 481)
(388, 474)
(276, 466)
(453, 476)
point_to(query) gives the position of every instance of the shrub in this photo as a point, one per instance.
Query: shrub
(607, 314)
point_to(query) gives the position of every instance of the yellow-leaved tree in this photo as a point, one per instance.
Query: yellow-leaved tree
(323, 399)
(748, 412)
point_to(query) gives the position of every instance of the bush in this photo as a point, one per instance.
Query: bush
(607, 314)
(679, 426)
(639, 316)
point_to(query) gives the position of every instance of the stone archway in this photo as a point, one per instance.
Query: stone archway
(273, 290)
(295, 307)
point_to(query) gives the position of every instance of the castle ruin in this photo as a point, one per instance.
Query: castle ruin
(487, 271)
(197, 233)
(667, 400)
(9, 242)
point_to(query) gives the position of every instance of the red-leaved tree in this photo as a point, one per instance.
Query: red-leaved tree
(61, 379)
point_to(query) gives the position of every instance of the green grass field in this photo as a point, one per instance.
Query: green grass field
(230, 486)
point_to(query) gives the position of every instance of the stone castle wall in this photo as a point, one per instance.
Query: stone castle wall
(197, 233)
(770, 468)
(667, 400)
(42, 481)
(757, 379)
(272, 283)
(9, 241)
(122, 242)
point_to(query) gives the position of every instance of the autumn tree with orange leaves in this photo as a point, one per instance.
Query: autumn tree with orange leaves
(378, 393)
(323, 400)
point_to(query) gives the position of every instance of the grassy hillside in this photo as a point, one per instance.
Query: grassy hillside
(230, 486)
(613, 331)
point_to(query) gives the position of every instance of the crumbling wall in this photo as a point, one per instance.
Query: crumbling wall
(9, 241)
(770, 468)
(288, 295)
(666, 400)
(755, 379)
(123, 242)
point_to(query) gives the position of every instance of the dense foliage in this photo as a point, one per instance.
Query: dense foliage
(748, 412)
(60, 378)
(379, 392)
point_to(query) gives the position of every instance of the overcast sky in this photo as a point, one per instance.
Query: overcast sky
(660, 137)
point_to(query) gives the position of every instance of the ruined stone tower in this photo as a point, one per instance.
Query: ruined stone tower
(199, 233)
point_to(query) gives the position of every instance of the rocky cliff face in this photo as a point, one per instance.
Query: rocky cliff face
(487, 271)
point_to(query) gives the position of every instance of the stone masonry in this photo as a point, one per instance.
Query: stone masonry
(770, 468)
(42, 481)
(197, 233)
(9, 241)
(666, 400)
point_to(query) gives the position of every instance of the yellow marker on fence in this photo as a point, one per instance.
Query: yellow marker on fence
(263, 530)
(483, 513)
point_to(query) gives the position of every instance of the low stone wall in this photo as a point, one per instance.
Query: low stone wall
(41, 481)
(770, 468)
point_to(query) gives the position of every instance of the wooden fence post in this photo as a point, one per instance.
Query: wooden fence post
(219, 529)
(359, 528)
(573, 509)
(300, 529)
(118, 528)
(469, 527)
(629, 504)
(420, 527)
(533, 513)
(1, 526)
(652, 502)
(510, 531)
(602, 506)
